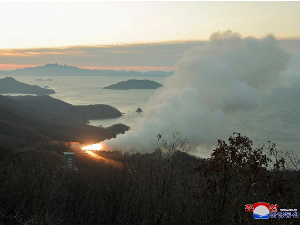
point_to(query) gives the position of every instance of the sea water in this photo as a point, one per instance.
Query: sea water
(276, 120)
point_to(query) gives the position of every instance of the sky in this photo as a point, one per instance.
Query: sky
(131, 35)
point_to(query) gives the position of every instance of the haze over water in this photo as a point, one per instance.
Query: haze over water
(276, 120)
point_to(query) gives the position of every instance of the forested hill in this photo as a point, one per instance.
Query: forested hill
(35, 118)
(52, 106)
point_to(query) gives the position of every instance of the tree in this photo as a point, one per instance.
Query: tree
(237, 174)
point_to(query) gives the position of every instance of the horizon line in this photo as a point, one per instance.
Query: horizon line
(115, 68)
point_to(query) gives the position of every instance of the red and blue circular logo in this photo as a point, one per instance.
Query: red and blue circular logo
(261, 210)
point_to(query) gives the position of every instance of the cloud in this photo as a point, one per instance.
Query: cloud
(134, 55)
(148, 56)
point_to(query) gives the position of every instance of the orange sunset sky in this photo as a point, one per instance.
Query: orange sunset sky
(125, 35)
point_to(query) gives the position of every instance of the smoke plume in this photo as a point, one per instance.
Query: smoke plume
(211, 82)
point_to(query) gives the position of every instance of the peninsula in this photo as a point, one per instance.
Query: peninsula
(10, 85)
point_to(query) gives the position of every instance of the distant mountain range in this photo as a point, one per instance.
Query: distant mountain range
(60, 70)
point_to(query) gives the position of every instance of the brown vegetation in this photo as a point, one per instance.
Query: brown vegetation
(157, 188)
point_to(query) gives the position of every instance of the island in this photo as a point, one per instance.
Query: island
(10, 85)
(134, 84)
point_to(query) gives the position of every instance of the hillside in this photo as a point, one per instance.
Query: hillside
(10, 85)
(134, 84)
(49, 105)
(37, 118)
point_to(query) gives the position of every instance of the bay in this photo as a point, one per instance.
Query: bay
(276, 120)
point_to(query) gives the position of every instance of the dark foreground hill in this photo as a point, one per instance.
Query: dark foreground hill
(134, 84)
(37, 118)
(10, 85)
(162, 187)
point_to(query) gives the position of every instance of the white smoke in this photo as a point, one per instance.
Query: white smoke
(211, 82)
